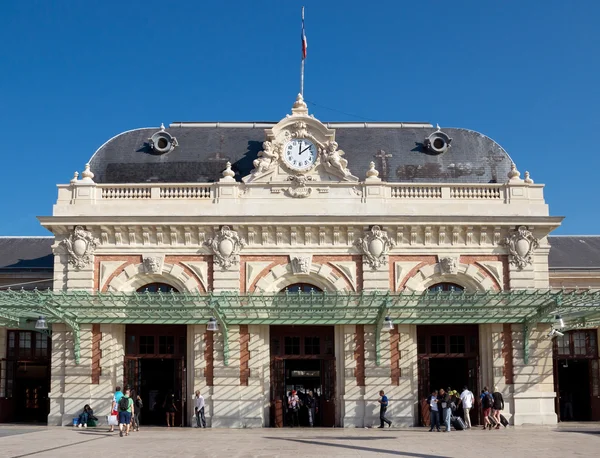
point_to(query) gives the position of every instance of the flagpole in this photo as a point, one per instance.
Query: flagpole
(302, 65)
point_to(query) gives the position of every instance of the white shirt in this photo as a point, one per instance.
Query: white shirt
(467, 399)
(433, 404)
(199, 402)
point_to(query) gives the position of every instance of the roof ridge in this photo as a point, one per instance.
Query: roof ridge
(567, 235)
(26, 237)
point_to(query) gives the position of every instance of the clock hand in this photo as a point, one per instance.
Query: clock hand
(308, 147)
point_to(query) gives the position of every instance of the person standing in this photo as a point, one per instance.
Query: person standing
(199, 409)
(487, 401)
(434, 412)
(294, 408)
(138, 404)
(126, 410)
(467, 399)
(170, 408)
(310, 405)
(498, 405)
(444, 402)
(113, 409)
(383, 405)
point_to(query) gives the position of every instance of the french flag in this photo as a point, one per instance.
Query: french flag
(304, 43)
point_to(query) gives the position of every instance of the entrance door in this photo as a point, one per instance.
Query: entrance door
(302, 359)
(155, 368)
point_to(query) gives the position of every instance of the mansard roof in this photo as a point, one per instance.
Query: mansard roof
(204, 148)
(26, 254)
(574, 252)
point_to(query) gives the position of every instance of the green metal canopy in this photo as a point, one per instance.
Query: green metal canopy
(579, 308)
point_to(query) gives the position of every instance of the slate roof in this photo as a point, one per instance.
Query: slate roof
(574, 252)
(203, 152)
(26, 254)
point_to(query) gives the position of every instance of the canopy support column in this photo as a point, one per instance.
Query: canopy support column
(383, 310)
(224, 329)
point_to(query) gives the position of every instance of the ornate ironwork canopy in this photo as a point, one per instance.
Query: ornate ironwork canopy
(579, 308)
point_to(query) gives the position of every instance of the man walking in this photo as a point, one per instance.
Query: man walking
(125, 412)
(383, 405)
(487, 401)
(199, 408)
(114, 406)
(444, 402)
(466, 399)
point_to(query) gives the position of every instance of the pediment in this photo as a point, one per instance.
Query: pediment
(328, 164)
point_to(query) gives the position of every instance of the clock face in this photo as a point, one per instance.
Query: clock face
(300, 154)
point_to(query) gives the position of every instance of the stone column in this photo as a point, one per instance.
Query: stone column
(406, 397)
(256, 397)
(226, 389)
(352, 396)
(534, 382)
(196, 378)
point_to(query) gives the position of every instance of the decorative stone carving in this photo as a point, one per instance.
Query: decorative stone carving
(87, 175)
(228, 174)
(528, 179)
(267, 158)
(299, 188)
(372, 173)
(80, 246)
(449, 265)
(375, 245)
(226, 246)
(438, 142)
(301, 263)
(521, 244)
(513, 174)
(153, 264)
(333, 162)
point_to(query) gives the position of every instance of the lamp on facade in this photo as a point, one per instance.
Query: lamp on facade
(41, 323)
(212, 324)
(388, 324)
(559, 321)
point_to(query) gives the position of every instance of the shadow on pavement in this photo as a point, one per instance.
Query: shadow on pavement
(357, 447)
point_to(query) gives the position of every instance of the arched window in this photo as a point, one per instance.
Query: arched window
(156, 287)
(302, 287)
(446, 287)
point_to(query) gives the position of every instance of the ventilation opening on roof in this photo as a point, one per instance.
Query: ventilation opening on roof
(438, 142)
(162, 142)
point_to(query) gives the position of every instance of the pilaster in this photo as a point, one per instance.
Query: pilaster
(226, 279)
(375, 278)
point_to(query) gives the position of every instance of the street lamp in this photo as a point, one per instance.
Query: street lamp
(388, 324)
(212, 324)
(560, 321)
(41, 323)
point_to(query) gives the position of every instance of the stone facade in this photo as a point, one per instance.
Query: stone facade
(326, 227)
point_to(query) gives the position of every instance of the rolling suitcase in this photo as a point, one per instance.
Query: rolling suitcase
(503, 420)
(458, 423)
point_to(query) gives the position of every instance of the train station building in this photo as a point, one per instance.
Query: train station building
(245, 260)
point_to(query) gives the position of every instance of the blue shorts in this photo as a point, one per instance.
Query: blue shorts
(124, 418)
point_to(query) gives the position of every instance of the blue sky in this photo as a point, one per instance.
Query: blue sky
(76, 73)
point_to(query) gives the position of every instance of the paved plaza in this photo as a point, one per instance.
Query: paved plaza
(569, 440)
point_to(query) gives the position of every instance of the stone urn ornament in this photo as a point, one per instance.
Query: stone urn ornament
(521, 244)
(375, 245)
(80, 246)
(226, 246)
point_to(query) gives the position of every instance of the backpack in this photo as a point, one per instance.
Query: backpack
(487, 401)
(124, 404)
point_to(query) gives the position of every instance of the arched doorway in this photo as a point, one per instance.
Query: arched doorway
(155, 361)
(303, 359)
(448, 356)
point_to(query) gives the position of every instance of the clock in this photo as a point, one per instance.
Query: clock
(299, 154)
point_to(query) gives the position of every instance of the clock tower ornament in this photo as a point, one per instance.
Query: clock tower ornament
(300, 145)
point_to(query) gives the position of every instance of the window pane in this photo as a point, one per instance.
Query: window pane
(292, 345)
(438, 344)
(11, 344)
(562, 343)
(166, 345)
(312, 346)
(579, 343)
(457, 344)
(25, 345)
(593, 343)
(41, 345)
(147, 345)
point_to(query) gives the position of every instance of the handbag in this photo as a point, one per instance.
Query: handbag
(112, 420)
